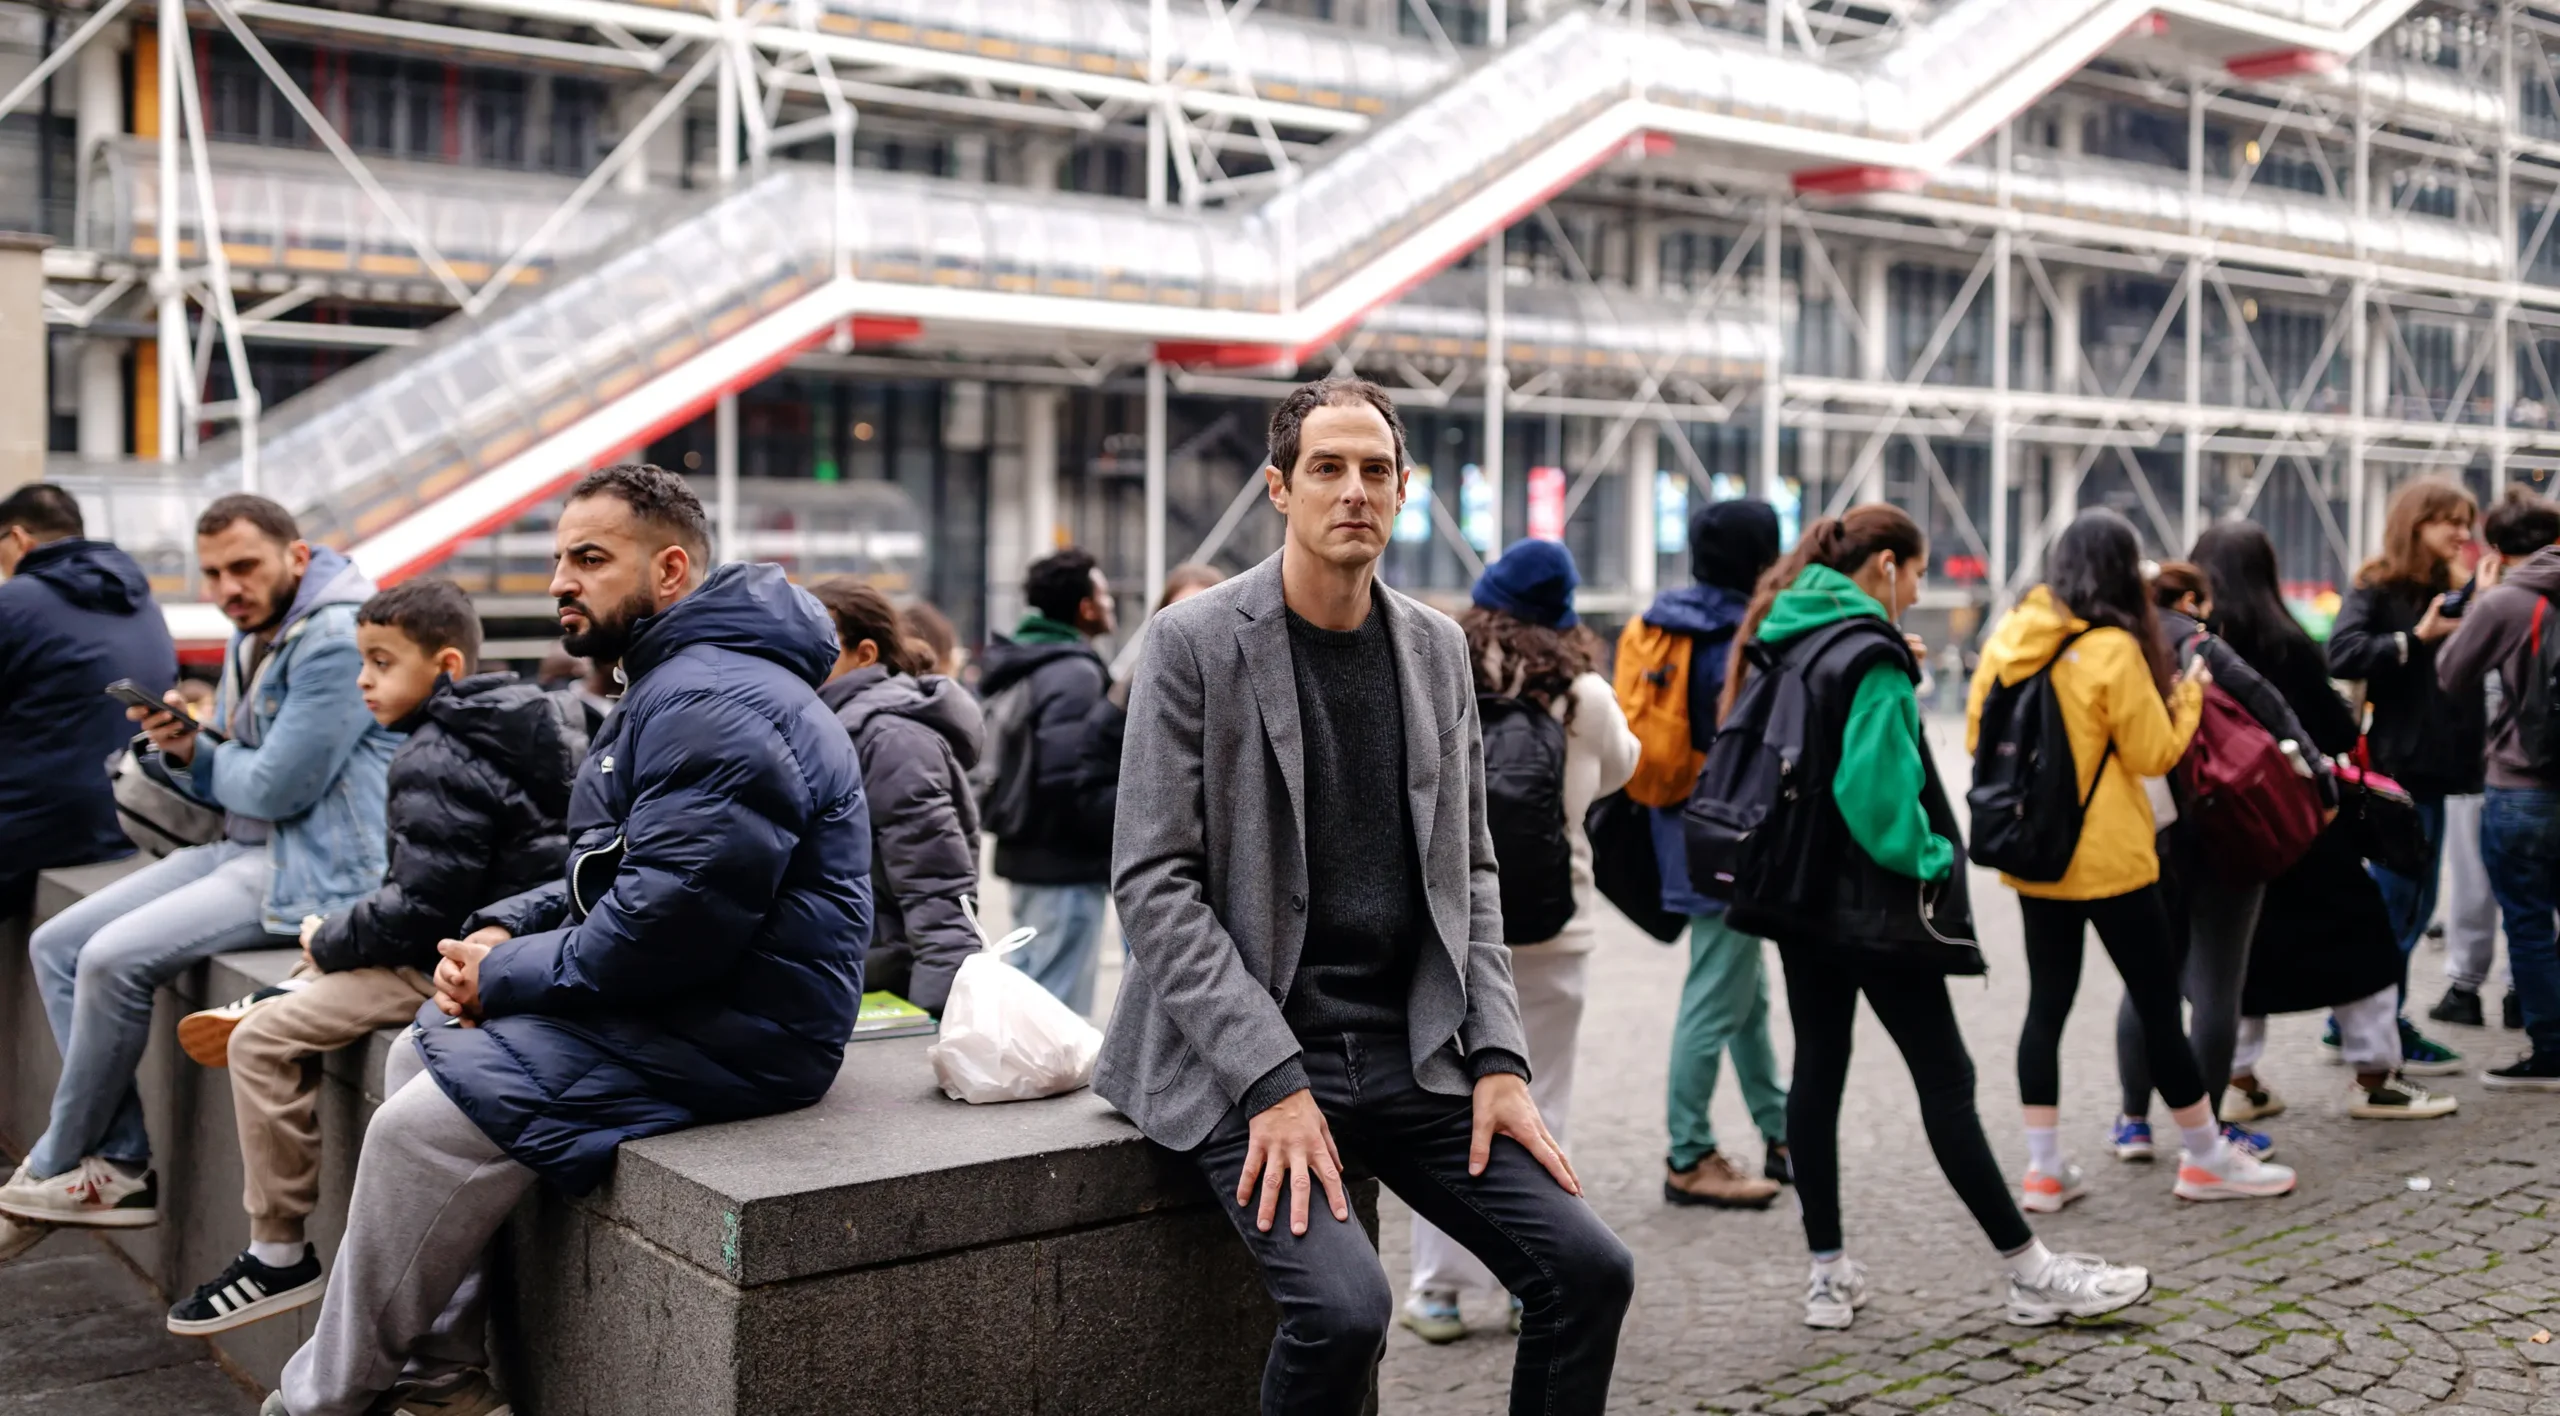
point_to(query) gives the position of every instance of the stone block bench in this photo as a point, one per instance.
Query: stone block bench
(887, 1250)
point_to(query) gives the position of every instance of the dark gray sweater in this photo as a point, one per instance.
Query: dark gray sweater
(1367, 918)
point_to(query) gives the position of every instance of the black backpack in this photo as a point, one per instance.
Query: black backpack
(2026, 802)
(1524, 808)
(2534, 705)
(1742, 822)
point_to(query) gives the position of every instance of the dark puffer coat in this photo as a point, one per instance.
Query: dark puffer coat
(76, 617)
(917, 738)
(702, 959)
(479, 796)
(1066, 681)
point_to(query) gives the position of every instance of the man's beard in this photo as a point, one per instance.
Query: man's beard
(607, 638)
(276, 608)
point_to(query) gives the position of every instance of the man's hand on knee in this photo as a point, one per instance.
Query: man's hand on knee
(458, 977)
(1503, 1108)
(1289, 1141)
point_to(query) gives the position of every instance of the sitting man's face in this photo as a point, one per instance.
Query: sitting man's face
(400, 673)
(601, 576)
(252, 576)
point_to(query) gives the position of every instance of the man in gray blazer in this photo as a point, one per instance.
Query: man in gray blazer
(1308, 887)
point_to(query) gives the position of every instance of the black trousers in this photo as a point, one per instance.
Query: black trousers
(1822, 998)
(1572, 1276)
(2135, 929)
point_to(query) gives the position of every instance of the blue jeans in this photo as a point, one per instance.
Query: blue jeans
(1062, 957)
(97, 965)
(2520, 841)
(2411, 904)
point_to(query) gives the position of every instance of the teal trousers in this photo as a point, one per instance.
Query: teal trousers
(1724, 1007)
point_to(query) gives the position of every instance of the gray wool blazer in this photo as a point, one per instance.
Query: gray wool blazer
(1209, 859)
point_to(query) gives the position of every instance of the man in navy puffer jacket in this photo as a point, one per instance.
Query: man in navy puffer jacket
(701, 962)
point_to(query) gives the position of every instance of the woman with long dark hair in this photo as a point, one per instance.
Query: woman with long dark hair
(1528, 645)
(2092, 626)
(917, 734)
(2432, 742)
(2323, 937)
(1895, 921)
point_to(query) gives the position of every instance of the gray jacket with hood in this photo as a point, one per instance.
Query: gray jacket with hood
(2497, 633)
(917, 738)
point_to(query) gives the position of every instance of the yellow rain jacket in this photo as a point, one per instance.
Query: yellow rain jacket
(2104, 684)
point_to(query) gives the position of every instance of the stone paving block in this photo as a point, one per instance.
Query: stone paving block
(2349, 1406)
(2305, 1391)
(2396, 1399)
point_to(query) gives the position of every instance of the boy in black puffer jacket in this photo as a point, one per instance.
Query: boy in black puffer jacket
(478, 794)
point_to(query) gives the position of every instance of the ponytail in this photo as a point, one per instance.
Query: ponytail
(1841, 543)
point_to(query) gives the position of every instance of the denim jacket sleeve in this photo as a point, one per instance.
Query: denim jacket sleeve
(301, 752)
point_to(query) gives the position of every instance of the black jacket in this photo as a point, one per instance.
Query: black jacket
(2323, 936)
(1864, 910)
(76, 617)
(1066, 682)
(917, 738)
(2433, 742)
(478, 797)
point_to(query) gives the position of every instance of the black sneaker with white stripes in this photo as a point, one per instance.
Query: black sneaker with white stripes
(247, 1292)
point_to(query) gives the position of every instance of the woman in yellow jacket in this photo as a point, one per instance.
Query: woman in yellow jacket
(2093, 624)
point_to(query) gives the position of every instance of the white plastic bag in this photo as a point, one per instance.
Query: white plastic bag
(1005, 1038)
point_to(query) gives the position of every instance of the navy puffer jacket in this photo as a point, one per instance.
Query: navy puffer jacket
(702, 959)
(76, 617)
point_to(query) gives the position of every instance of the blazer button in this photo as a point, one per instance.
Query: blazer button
(1298, 903)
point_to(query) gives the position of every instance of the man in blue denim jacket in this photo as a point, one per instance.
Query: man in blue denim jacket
(299, 770)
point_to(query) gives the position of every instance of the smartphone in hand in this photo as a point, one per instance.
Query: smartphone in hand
(129, 693)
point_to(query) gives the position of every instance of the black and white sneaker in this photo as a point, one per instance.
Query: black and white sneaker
(2539, 1072)
(247, 1292)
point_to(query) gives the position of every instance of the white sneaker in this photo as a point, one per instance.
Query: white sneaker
(2040, 1193)
(2238, 1176)
(2076, 1286)
(1835, 1295)
(2397, 1099)
(96, 1196)
(18, 1236)
(1432, 1315)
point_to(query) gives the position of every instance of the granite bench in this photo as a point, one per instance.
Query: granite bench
(886, 1250)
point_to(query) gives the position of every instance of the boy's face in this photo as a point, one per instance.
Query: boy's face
(398, 674)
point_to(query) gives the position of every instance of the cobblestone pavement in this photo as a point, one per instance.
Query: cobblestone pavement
(2358, 1295)
(81, 1335)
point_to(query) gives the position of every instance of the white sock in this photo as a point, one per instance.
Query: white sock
(2204, 1144)
(1832, 1262)
(2027, 1265)
(2044, 1149)
(274, 1254)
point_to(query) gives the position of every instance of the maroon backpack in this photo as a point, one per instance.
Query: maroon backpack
(2253, 814)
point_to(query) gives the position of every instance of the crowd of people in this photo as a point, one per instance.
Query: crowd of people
(1357, 851)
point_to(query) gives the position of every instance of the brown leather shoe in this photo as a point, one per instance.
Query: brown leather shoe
(1718, 1182)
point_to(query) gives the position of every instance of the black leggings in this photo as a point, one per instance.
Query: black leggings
(2135, 929)
(1822, 997)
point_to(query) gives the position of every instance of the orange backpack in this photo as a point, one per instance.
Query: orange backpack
(1652, 685)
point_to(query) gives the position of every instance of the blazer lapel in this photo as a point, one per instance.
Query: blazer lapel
(1414, 670)
(1263, 639)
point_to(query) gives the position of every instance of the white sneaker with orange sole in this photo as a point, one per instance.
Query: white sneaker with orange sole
(2040, 1193)
(2237, 1176)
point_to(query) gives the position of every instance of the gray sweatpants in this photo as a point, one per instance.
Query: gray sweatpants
(2221, 918)
(406, 1300)
(2471, 912)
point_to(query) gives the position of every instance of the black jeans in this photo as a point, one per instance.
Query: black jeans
(1572, 1276)
(2135, 929)
(1822, 998)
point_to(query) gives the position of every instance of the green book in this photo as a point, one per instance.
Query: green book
(886, 1014)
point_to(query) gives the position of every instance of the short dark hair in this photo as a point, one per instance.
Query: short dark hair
(656, 496)
(2176, 580)
(2521, 523)
(271, 519)
(43, 511)
(1291, 416)
(1058, 584)
(434, 613)
(862, 612)
(931, 628)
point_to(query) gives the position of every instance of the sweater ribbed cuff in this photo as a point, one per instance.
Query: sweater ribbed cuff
(1276, 1086)
(1488, 1061)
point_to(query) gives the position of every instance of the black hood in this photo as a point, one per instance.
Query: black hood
(748, 608)
(93, 575)
(932, 700)
(1004, 662)
(513, 725)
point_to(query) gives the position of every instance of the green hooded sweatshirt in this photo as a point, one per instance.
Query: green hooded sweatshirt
(1877, 785)
(1037, 628)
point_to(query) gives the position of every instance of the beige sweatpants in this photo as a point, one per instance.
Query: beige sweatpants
(275, 1078)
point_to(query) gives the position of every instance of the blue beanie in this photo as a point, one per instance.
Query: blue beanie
(1533, 581)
